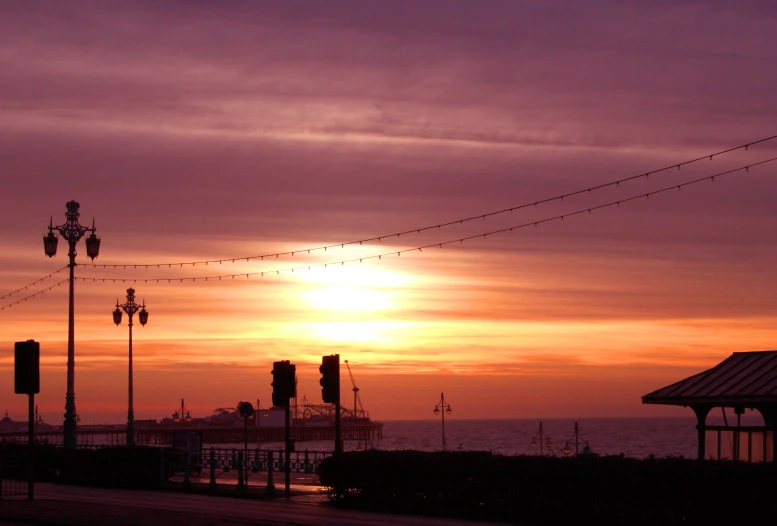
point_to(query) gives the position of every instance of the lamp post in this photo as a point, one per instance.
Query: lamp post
(548, 443)
(72, 232)
(130, 308)
(441, 409)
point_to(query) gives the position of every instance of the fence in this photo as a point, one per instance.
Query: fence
(234, 466)
(13, 476)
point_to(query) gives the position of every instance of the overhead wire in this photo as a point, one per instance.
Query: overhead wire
(33, 283)
(588, 210)
(559, 197)
(39, 293)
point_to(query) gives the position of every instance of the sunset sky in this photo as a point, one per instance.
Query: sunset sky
(199, 130)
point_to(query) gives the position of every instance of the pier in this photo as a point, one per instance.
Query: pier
(162, 435)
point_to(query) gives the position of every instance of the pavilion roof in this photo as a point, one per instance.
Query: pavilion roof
(741, 379)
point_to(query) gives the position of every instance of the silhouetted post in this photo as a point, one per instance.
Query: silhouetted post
(187, 468)
(27, 381)
(284, 389)
(31, 448)
(287, 467)
(541, 443)
(130, 308)
(212, 469)
(72, 232)
(270, 485)
(245, 449)
(246, 410)
(338, 432)
(330, 391)
(441, 408)
(577, 435)
(240, 483)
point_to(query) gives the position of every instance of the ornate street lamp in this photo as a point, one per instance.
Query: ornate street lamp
(71, 231)
(535, 444)
(131, 308)
(441, 409)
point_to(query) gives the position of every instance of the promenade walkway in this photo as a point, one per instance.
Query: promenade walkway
(56, 505)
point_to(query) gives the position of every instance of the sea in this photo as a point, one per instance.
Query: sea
(632, 437)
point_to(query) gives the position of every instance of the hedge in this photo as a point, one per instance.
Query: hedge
(550, 490)
(116, 467)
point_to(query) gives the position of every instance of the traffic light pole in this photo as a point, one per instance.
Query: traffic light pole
(287, 464)
(338, 434)
(27, 381)
(245, 451)
(330, 392)
(31, 448)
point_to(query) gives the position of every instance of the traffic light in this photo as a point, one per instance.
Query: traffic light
(330, 380)
(27, 367)
(284, 384)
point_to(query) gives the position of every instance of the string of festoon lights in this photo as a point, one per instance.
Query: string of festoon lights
(39, 293)
(460, 240)
(561, 197)
(33, 283)
(560, 217)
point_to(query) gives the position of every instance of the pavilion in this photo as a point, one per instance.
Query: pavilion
(745, 380)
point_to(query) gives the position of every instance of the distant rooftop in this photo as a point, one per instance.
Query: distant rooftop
(741, 379)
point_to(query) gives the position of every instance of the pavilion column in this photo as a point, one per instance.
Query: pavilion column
(769, 412)
(701, 412)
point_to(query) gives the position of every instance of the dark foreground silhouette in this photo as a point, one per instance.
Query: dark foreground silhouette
(547, 490)
(470, 485)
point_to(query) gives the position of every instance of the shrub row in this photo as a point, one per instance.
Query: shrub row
(548, 490)
(118, 467)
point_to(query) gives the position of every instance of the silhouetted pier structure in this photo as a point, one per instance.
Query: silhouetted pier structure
(311, 422)
(163, 435)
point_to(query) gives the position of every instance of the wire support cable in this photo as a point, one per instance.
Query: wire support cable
(394, 253)
(559, 197)
(33, 283)
(39, 293)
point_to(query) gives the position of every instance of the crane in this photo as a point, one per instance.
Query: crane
(357, 402)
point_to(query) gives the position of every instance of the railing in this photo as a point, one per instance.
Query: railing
(228, 467)
(300, 461)
(235, 466)
(13, 482)
(226, 460)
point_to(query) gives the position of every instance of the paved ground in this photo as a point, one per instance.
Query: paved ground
(56, 505)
